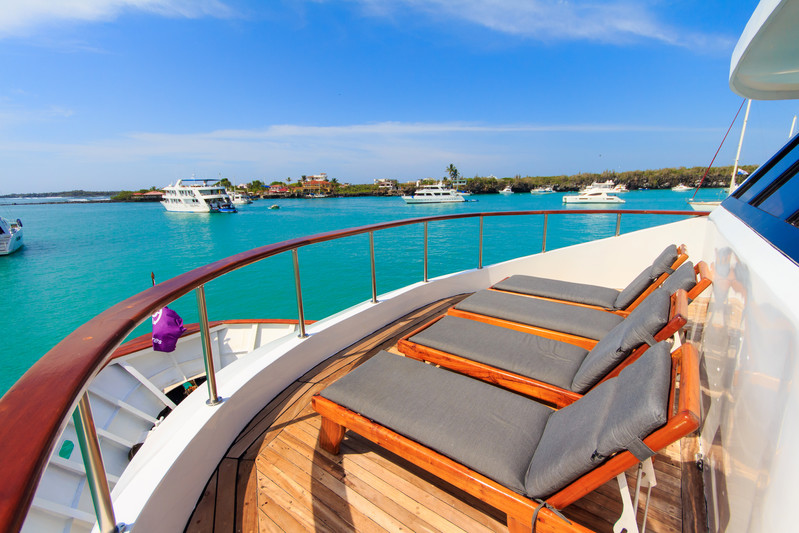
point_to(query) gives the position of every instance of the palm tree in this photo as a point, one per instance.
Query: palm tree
(452, 171)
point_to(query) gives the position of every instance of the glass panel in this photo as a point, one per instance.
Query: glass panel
(770, 175)
(783, 201)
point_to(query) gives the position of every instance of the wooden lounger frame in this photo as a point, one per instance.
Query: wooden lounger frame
(682, 257)
(519, 509)
(525, 385)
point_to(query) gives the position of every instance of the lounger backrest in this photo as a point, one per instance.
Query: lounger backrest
(682, 278)
(661, 264)
(639, 327)
(613, 417)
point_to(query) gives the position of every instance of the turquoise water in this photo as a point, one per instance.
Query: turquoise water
(81, 258)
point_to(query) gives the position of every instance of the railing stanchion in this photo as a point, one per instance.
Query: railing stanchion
(618, 224)
(208, 354)
(95, 471)
(544, 241)
(480, 246)
(300, 312)
(374, 270)
(425, 252)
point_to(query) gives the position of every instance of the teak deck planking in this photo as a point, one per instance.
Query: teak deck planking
(275, 477)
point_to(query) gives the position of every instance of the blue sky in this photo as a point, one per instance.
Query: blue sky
(126, 94)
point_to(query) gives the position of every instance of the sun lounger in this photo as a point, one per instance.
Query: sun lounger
(534, 315)
(508, 450)
(596, 296)
(555, 370)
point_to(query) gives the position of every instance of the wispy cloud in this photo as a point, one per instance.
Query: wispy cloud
(21, 18)
(355, 152)
(605, 21)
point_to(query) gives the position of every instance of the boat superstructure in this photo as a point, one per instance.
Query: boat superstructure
(197, 196)
(433, 194)
(593, 196)
(10, 236)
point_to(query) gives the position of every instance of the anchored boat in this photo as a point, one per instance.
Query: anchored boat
(197, 196)
(10, 236)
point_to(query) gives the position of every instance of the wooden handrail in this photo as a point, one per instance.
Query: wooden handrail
(36, 409)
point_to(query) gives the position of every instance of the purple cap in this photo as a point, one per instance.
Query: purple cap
(167, 329)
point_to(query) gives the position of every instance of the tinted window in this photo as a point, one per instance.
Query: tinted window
(759, 181)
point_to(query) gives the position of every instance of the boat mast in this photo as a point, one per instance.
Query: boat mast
(740, 142)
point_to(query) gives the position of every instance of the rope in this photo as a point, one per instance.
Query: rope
(719, 149)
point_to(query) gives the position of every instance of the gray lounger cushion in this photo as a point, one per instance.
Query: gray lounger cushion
(591, 294)
(528, 355)
(639, 327)
(485, 428)
(560, 290)
(557, 363)
(511, 439)
(661, 264)
(605, 421)
(682, 278)
(556, 316)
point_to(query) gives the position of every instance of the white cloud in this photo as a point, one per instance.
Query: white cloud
(355, 152)
(22, 17)
(607, 21)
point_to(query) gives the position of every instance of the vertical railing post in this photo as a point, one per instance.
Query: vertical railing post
(297, 286)
(374, 270)
(544, 241)
(480, 246)
(208, 354)
(93, 463)
(425, 252)
(618, 224)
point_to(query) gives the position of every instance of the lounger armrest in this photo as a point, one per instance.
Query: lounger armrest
(518, 508)
(705, 278)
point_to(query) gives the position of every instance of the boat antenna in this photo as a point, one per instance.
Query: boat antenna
(719, 149)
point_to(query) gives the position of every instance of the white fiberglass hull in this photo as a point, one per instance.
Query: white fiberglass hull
(11, 243)
(186, 208)
(433, 199)
(592, 200)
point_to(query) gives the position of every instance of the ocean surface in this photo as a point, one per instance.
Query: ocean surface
(80, 258)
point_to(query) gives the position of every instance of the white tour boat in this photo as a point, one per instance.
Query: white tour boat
(240, 452)
(197, 196)
(10, 236)
(433, 194)
(238, 198)
(592, 197)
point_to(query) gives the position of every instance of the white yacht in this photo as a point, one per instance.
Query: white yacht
(542, 190)
(434, 194)
(592, 197)
(197, 196)
(238, 198)
(10, 236)
(506, 190)
(240, 451)
(681, 188)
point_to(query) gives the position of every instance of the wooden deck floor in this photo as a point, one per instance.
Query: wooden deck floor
(275, 478)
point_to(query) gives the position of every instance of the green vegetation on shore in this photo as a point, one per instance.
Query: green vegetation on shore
(633, 179)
